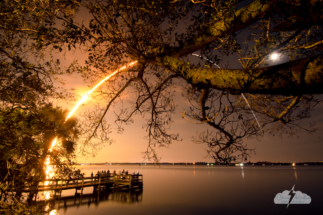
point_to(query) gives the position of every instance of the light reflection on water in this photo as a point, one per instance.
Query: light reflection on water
(49, 174)
(242, 172)
(189, 189)
(295, 173)
(53, 212)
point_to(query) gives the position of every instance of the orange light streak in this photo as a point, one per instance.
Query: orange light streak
(83, 99)
(49, 169)
(96, 86)
(53, 144)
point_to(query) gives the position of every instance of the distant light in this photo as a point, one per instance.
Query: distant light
(207, 164)
(293, 164)
(274, 56)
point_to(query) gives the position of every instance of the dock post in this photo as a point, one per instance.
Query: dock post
(60, 190)
(36, 196)
(142, 182)
(82, 186)
(116, 181)
(99, 183)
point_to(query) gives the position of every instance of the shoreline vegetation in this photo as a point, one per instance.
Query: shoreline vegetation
(259, 163)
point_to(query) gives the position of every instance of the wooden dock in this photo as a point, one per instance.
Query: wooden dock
(103, 181)
(122, 196)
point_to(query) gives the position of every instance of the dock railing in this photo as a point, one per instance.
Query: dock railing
(102, 179)
(107, 180)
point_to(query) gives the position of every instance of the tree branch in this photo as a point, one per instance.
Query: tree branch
(288, 108)
(304, 76)
(152, 93)
(240, 20)
(108, 106)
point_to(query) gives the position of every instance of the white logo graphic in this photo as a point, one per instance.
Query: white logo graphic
(292, 197)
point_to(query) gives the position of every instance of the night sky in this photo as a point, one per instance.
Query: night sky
(129, 145)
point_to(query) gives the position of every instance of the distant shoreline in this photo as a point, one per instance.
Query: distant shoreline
(259, 163)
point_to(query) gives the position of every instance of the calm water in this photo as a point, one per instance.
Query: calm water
(205, 190)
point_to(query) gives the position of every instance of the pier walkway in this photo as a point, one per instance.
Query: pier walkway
(103, 181)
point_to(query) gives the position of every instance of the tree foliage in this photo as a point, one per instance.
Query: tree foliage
(28, 121)
(26, 69)
(26, 138)
(162, 35)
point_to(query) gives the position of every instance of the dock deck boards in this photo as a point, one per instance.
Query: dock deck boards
(115, 181)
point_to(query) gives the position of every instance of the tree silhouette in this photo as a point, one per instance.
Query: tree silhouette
(161, 36)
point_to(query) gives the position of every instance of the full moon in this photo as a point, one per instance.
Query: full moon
(274, 56)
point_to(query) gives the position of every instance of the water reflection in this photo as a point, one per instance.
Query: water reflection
(201, 190)
(53, 212)
(295, 173)
(120, 196)
(49, 170)
(242, 172)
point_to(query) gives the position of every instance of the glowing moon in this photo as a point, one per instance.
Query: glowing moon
(274, 56)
